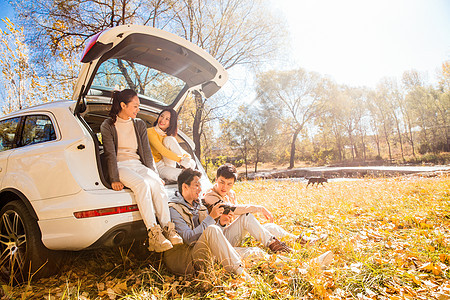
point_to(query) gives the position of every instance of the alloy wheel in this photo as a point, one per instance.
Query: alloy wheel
(12, 244)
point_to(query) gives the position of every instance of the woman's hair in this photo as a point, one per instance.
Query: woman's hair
(172, 130)
(117, 97)
(227, 171)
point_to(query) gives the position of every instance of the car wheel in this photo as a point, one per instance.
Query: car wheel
(23, 256)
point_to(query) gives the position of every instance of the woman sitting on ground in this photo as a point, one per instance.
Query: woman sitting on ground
(165, 148)
(130, 163)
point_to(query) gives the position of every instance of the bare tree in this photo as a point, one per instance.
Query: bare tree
(410, 81)
(382, 117)
(230, 30)
(294, 96)
(233, 32)
(388, 89)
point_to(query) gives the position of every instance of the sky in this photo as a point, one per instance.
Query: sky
(358, 42)
(5, 11)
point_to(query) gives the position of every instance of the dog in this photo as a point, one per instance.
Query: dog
(317, 180)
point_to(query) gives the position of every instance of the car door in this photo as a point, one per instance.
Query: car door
(38, 166)
(8, 130)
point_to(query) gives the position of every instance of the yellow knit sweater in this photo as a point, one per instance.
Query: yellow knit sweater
(157, 147)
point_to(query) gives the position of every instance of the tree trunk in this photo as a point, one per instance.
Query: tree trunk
(363, 145)
(339, 146)
(256, 161)
(244, 153)
(377, 142)
(196, 126)
(387, 142)
(354, 150)
(400, 139)
(412, 141)
(294, 139)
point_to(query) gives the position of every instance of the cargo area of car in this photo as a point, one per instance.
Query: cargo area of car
(94, 115)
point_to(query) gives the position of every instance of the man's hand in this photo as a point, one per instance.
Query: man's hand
(226, 219)
(117, 186)
(267, 214)
(216, 211)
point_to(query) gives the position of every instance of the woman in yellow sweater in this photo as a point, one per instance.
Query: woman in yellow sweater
(165, 148)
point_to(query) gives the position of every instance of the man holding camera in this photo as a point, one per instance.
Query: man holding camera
(236, 229)
(222, 193)
(204, 240)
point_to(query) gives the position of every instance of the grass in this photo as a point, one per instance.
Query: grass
(391, 239)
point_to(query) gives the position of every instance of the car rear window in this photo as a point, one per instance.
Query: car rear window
(37, 129)
(149, 83)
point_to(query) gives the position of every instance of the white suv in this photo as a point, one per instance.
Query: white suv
(55, 194)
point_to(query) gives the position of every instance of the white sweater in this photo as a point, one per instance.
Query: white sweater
(126, 140)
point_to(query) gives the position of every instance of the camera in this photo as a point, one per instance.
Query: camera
(227, 208)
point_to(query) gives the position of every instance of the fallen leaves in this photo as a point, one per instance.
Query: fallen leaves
(390, 237)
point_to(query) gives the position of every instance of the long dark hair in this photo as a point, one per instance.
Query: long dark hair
(117, 97)
(172, 130)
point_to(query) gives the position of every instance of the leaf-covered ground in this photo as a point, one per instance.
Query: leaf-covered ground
(390, 237)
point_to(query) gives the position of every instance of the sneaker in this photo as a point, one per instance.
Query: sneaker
(308, 241)
(171, 234)
(276, 246)
(156, 240)
(324, 260)
(244, 275)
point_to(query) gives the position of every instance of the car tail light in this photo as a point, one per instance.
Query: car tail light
(105, 211)
(94, 49)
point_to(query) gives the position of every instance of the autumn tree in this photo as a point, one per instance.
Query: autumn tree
(230, 30)
(410, 81)
(443, 102)
(233, 32)
(294, 96)
(381, 115)
(21, 83)
(392, 96)
(238, 136)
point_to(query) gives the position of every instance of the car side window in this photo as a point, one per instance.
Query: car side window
(8, 130)
(37, 129)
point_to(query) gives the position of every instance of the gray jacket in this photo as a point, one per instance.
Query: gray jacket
(190, 221)
(109, 139)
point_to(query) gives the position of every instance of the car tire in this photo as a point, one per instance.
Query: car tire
(23, 256)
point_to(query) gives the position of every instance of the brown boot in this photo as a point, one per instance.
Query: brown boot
(156, 240)
(276, 246)
(171, 234)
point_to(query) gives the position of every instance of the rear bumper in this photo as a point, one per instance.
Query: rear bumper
(78, 234)
(122, 234)
(62, 231)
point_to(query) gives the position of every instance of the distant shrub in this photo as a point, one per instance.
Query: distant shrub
(424, 148)
(442, 158)
(324, 156)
